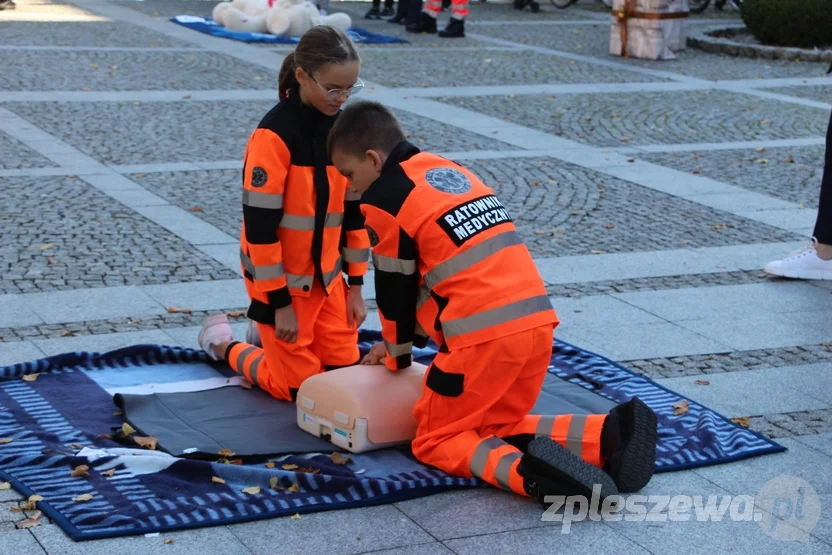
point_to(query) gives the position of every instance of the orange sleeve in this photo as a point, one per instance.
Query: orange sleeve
(264, 178)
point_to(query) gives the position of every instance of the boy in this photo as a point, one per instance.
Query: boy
(450, 265)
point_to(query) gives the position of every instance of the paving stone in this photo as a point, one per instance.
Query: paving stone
(100, 70)
(86, 240)
(435, 548)
(16, 542)
(84, 33)
(629, 119)
(791, 174)
(821, 442)
(6, 514)
(821, 93)
(19, 351)
(15, 155)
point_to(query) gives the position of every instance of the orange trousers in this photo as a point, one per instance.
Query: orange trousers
(480, 421)
(324, 341)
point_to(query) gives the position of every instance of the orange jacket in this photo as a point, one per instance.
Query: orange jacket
(300, 222)
(449, 263)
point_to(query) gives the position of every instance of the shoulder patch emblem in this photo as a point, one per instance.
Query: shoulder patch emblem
(258, 177)
(374, 239)
(448, 180)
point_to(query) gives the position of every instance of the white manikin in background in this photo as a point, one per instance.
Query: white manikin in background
(284, 18)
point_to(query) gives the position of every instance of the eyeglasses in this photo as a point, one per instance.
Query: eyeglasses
(335, 94)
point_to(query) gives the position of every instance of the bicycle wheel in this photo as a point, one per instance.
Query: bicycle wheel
(562, 4)
(699, 6)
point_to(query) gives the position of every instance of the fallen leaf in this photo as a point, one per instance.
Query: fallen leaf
(236, 313)
(81, 498)
(110, 473)
(104, 436)
(146, 442)
(273, 484)
(47, 246)
(169, 541)
(338, 458)
(294, 488)
(534, 183)
(625, 139)
(697, 171)
(574, 213)
(764, 121)
(703, 382)
(238, 462)
(296, 516)
(217, 480)
(35, 498)
(76, 446)
(597, 252)
(252, 491)
(610, 226)
(760, 149)
(743, 421)
(5, 485)
(30, 377)
(270, 464)
(289, 466)
(788, 160)
(51, 261)
(246, 385)
(309, 470)
(681, 407)
(175, 310)
(195, 209)
(226, 453)
(762, 161)
(6, 440)
(127, 429)
(15, 509)
(30, 522)
(800, 206)
(68, 333)
(80, 471)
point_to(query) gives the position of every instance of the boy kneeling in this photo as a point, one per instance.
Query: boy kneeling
(450, 265)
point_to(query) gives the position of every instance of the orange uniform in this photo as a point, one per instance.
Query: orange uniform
(450, 265)
(301, 231)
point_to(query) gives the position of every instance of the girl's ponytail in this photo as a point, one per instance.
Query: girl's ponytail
(286, 78)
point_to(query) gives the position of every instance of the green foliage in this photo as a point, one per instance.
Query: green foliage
(800, 23)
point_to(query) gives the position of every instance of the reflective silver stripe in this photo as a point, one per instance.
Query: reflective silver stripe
(297, 281)
(468, 258)
(253, 370)
(494, 316)
(241, 359)
(262, 200)
(394, 265)
(336, 271)
(422, 297)
(272, 271)
(481, 453)
(352, 195)
(419, 330)
(575, 435)
(400, 349)
(355, 256)
(307, 223)
(544, 426)
(504, 469)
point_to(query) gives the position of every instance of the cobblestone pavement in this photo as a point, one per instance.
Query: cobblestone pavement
(620, 250)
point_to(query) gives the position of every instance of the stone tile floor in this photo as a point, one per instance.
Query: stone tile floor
(652, 257)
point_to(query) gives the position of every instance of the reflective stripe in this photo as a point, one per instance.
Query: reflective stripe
(352, 195)
(241, 359)
(400, 349)
(272, 271)
(298, 281)
(422, 297)
(262, 200)
(253, 369)
(480, 458)
(504, 469)
(336, 271)
(394, 265)
(355, 256)
(307, 223)
(468, 258)
(544, 426)
(575, 435)
(494, 316)
(419, 330)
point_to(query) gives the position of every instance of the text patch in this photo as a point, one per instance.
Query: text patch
(472, 218)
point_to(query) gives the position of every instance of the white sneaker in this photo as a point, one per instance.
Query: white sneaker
(215, 331)
(253, 334)
(802, 264)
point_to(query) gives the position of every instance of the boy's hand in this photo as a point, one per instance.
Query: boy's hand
(356, 309)
(286, 324)
(377, 354)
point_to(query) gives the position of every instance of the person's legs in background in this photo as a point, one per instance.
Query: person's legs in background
(815, 261)
(426, 23)
(456, 26)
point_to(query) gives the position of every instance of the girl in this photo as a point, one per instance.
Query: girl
(302, 228)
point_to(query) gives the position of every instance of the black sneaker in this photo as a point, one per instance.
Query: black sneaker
(455, 29)
(548, 468)
(388, 12)
(7, 5)
(400, 19)
(535, 7)
(373, 14)
(628, 439)
(427, 24)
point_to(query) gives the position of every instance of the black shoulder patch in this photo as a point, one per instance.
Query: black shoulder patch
(259, 177)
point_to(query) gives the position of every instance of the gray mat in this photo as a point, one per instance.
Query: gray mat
(253, 424)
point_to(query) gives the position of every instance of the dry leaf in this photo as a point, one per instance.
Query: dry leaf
(104, 436)
(697, 171)
(30, 377)
(270, 464)
(681, 407)
(760, 149)
(85, 497)
(168, 541)
(226, 453)
(597, 252)
(146, 442)
(76, 446)
(762, 161)
(30, 522)
(238, 462)
(51, 261)
(289, 466)
(118, 413)
(81, 471)
(217, 480)
(703, 382)
(273, 484)
(252, 490)
(610, 226)
(175, 310)
(68, 333)
(6, 440)
(309, 470)
(338, 458)
(296, 516)
(127, 429)
(788, 160)
(195, 209)
(743, 421)
(800, 206)
(574, 213)
(35, 498)
(246, 385)
(15, 509)
(47, 246)
(294, 488)
(625, 139)
(5, 485)
(110, 473)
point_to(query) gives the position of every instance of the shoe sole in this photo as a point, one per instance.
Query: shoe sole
(638, 461)
(564, 465)
(818, 275)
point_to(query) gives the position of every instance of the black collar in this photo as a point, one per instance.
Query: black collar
(304, 110)
(403, 151)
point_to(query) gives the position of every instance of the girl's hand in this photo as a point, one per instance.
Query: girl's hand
(377, 354)
(286, 324)
(356, 309)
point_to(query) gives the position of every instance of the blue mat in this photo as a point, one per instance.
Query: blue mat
(58, 422)
(209, 27)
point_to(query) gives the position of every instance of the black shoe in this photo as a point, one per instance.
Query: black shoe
(548, 468)
(427, 24)
(455, 29)
(400, 19)
(628, 439)
(7, 5)
(388, 12)
(373, 14)
(535, 7)
(446, 4)
(520, 4)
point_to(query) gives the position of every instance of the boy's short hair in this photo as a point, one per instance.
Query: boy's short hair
(363, 126)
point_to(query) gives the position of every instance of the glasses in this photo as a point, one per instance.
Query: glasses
(335, 94)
